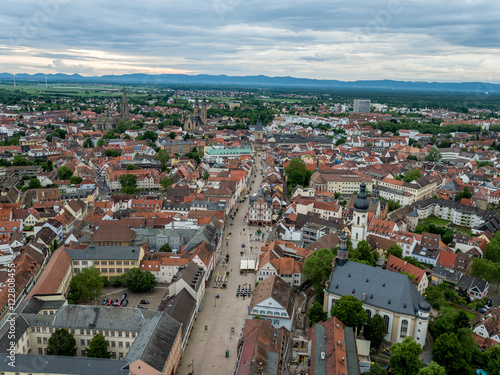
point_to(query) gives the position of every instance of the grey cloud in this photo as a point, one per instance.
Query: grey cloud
(225, 36)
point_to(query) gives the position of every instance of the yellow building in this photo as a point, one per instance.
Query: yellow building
(109, 260)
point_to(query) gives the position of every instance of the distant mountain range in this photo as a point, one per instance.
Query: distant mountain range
(259, 81)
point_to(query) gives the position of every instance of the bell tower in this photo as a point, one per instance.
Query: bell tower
(343, 252)
(124, 106)
(204, 111)
(360, 217)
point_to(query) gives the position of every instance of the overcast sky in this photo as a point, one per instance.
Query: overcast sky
(418, 40)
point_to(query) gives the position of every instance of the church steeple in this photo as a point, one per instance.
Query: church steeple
(203, 113)
(375, 192)
(343, 252)
(124, 106)
(360, 216)
(361, 203)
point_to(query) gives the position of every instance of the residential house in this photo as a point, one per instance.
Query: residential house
(419, 278)
(273, 300)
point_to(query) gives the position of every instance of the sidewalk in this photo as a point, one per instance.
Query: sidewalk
(205, 353)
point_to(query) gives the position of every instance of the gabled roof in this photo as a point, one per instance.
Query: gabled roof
(276, 288)
(396, 264)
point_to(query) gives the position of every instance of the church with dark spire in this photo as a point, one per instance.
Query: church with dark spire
(111, 122)
(198, 118)
(124, 114)
(360, 217)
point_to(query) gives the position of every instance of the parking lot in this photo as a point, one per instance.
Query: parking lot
(154, 297)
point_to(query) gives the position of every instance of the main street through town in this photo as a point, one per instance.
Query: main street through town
(218, 326)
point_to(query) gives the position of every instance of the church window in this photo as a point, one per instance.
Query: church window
(386, 322)
(358, 220)
(368, 314)
(404, 329)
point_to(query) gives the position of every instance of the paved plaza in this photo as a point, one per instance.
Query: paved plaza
(218, 326)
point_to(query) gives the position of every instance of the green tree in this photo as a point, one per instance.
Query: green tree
(317, 268)
(487, 270)
(295, 178)
(340, 141)
(19, 161)
(128, 183)
(64, 173)
(405, 357)
(392, 205)
(165, 248)
(316, 313)
(75, 180)
(172, 135)
(163, 157)
(111, 152)
(434, 155)
(132, 167)
(463, 194)
(101, 142)
(375, 331)
(87, 283)
(61, 342)
(376, 369)
(492, 251)
(206, 176)
(34, 183)
(412, 175)
(449, 320)
(98, 347)
(364, 253)
(432, 369)
(455, 351)
(492, 359)
(395, 250)
(139, 281)
(350, 311)
(148, 134)
(166, 182)
(88, 143)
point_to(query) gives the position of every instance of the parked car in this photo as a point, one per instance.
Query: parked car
(115, 302)
(110, 302)
(242, 245)
(120, 301)
(125, 303)
(144, 302)
(231, 223)
(105, 301)
(482, 310)
(489, 302)
(142, 307)
(124, 295)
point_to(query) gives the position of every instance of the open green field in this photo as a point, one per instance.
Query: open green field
(466, 231)
(72, 90)
(437, 221)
